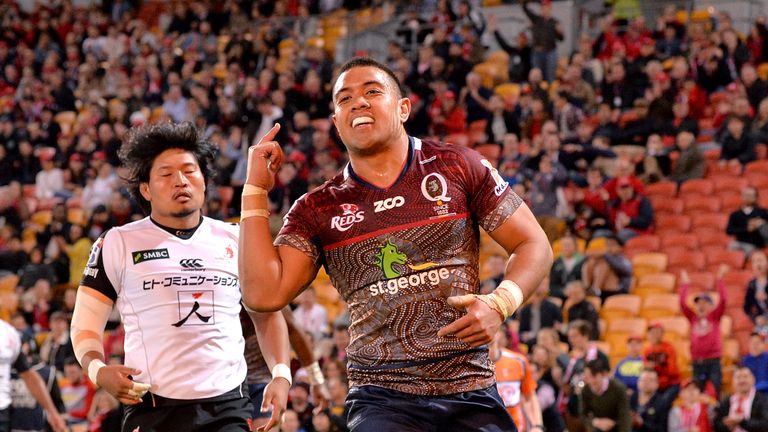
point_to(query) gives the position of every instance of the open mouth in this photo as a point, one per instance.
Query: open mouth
(359, 121)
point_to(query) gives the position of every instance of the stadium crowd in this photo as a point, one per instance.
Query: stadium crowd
(642, 154)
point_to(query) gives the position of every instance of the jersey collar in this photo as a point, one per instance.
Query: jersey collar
(413, 145)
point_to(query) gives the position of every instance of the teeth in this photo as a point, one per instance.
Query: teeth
(361, 120)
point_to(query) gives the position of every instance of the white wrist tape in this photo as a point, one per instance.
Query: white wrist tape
(93, 370)
(315, 374)
(281, 370)
(513, 289)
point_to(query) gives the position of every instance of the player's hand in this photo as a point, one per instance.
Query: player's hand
(276, 400)
(57, 422)
(478, 326)
(264, 160)
(115, 380)
(321, 397)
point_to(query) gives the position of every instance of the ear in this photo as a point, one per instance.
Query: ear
(144, 189)
(404, 109)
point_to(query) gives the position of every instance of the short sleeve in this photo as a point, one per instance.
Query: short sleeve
(298, 229)
(529, 385)
(94, 274)
(491, 200)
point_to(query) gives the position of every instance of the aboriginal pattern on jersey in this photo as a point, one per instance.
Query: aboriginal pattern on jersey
(397, 254)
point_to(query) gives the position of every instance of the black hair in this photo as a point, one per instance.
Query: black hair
(369, 62)
(598, 365)
(142, 145)
(584, 327)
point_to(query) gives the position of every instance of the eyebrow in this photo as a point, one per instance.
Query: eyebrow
(171, 166)
(365, 84)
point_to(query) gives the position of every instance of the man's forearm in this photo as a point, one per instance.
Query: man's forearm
(272, 334)
(37, 388)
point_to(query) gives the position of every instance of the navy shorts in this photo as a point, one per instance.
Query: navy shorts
(378, 409)
(257, 397)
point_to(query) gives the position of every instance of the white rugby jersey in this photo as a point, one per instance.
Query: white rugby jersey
(10, 349)
(179, 300)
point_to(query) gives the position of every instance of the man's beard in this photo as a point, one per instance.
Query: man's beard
(183, 214)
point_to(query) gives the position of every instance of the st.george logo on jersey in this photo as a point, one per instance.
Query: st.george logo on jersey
(351, 214)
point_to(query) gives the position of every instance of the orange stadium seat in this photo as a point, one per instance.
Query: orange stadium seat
(684, 259)
(716, 171)
(701, 203)
(677, 325)
(757, 179)
(686, 240)
(738, 277)
(662, 188)
(717, 221)
(647, 243)
(734, 259)
(697, 187)
(713, 238)
(729, 201)
(679, 223)
(733, 183)
(663, 205)
(758, 166)
(700, 281)
(649, 262)
(620, 306)
(663, 280)
(660, 305)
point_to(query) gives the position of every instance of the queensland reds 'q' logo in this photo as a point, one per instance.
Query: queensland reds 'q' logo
(350, 216)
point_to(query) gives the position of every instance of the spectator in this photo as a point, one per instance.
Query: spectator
(630, 214)
(629, 368)
(706, 348)
(176, 105)
(656, 164)
(682, 121)
(662, 357)
(650, 407)
(692, 413)
(566, 268)
(756, 88)
(745, 409)
(49, 182)
(604, 400)
(494, 267)
(546, 393)
(520, 57)
(572, 367)
(311, 316)
(748, 224)
(537, 314)
(606, 271)
(738, 145)
(690, 163)
(56, 348)
(756, 360)
(623, 169)
(447, 116)
(545, 183)
(546, 32)
(105, 414)
(566, 115)
(501, 121)
(300, 404)
(475, 99)
(579, 308)
(756, 297)
(76, 392)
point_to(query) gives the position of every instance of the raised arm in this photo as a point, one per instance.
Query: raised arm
(268, 282)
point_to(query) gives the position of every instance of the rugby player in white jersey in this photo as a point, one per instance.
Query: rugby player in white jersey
(174, 279)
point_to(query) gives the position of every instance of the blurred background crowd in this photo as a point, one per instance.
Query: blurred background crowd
(636, 133)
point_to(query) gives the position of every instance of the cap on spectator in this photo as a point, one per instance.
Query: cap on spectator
(99, 155)
(77, 157)
(635, 337)
(449, 94)
(655, 325)
(703, 296)
(647, 40)
(101, 208)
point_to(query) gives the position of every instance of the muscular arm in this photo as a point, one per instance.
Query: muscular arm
(530, 253)
(268, 283)
(272, 333)
(89, 319)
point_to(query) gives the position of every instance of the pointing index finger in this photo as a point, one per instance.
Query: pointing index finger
(270, 136)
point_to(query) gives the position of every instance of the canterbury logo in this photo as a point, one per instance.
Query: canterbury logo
(192, 263)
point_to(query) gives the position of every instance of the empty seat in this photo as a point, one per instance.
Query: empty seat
(701, 203)
(686, 240)
(683, 259)
(679, 223)
(717, 255)
(647, 243)
(662, 188)
(697, 187)
(650, 262)
(710, 220)
(666, 205)
(620, 306)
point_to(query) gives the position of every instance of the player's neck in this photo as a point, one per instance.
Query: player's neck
(383, 168)
(186, 222)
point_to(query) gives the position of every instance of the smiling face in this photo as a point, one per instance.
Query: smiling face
(369, 112)
(176, 188)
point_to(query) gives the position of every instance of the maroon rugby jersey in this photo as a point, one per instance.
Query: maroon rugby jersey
(396, 254)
